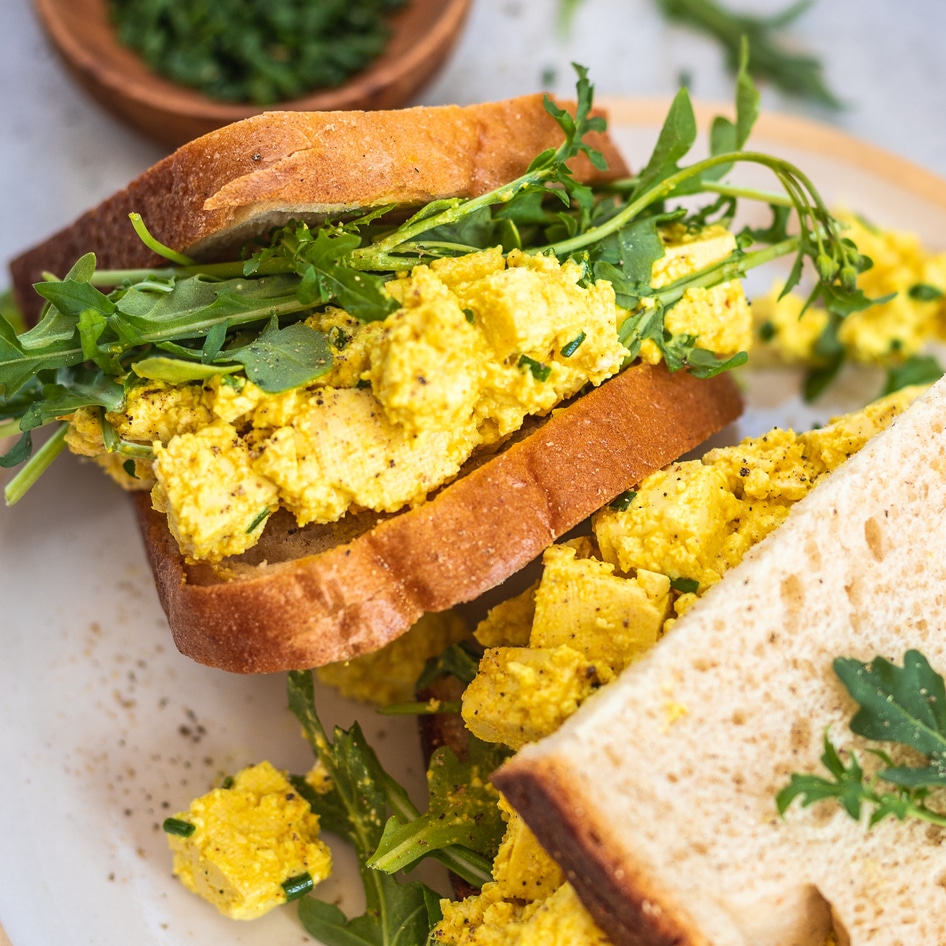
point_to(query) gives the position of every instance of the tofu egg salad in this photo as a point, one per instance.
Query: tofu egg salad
(358, 364)
(477, 343)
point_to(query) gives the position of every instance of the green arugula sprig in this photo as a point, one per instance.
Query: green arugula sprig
(190, 321)
(371, 811)
(903, 705)
(462, 811)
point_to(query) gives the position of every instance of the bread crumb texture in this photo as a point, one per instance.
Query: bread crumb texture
(477, 344)
(248, 839)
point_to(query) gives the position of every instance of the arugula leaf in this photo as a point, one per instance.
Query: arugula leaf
(284, 358)
(356, 808)
(903, 705)
(463, 809)
(178, 370)
(320, 258)
(73, 388)
(897, 704)
(403, 917)
(461, 660)
(728, 136)
(11, 311)
(924, 292)
(19, 452)
(676, 138)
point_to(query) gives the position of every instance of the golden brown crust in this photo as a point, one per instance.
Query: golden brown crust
(621, 899)
(214, 192)
(355, 596)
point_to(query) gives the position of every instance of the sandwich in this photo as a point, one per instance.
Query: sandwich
(319, 448)
(759, 776)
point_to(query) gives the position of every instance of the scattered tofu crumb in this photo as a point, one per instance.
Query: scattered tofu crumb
(248, 839)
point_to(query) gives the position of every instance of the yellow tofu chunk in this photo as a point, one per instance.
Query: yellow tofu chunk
(428, 360)
(582, 603)
(341, 450)
(247, 840)
(154, 410)
(523, 693)
(389, 675)
(215, 502)
(720, 318)
(676, 525)
(561, 920)
(509, 623)
(696, 519)
(522, 869)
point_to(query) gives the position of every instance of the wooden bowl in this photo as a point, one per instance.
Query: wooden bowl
(423, 34)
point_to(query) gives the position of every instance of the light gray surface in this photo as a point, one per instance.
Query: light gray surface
(62, 154)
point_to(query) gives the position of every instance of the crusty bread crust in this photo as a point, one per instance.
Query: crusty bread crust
(616, 891)
(350, 595)
(658, 795)
(212, 194)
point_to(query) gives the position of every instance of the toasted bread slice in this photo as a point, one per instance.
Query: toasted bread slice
(311, 596)
(214, 193)
(658, 795)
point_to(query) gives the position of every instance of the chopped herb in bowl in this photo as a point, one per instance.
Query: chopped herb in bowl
(255, 51)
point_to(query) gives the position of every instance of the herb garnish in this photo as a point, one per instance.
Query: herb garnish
(255, 52)
(902, 705)
(245, 318)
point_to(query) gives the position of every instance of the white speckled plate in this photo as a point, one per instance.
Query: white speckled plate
(106, 729)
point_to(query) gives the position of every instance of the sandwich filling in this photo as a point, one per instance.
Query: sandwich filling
(476, 344)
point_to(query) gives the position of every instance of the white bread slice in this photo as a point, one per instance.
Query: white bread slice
(237, 182)
(317, 595)
(658, 796)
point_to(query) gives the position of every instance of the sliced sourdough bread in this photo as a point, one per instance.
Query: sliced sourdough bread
(307, 597)
(658, 796)
(211, 195)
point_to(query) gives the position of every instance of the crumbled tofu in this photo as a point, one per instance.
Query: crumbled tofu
(582, 603)
(509, 623)
(523, 693)
(719, 318)
(696, 519)
(215, 502)
(522, 869)
(248, 839)
(342, 450)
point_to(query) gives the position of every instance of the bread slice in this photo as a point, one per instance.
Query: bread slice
(214, 193)
(658, 796)
(311, 596)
